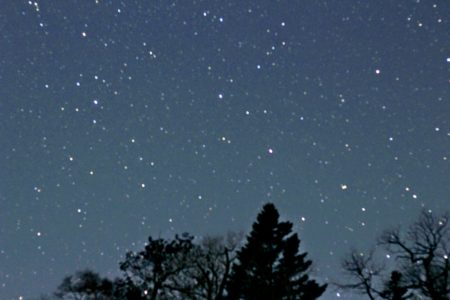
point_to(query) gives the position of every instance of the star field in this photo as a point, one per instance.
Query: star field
(124, 119)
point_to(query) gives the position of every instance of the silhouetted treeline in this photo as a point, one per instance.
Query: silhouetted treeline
(267, 265)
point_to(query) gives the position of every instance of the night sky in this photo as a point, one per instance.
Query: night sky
(124, 119)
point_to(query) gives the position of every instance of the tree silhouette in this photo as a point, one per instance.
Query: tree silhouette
(423, 254)
(395, 288)
(269, 266)
(156, 269)
(213, 260)
(179, 269)
(84, 285)
(362, 273)
(125, 289)
(422, 257)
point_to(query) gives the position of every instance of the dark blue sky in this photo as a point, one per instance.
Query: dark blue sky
(121, 119)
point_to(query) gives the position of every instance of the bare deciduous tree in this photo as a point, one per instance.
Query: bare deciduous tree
(181, 269)
(421, 255)
(213, 265)
(362, 271)
(209, 268)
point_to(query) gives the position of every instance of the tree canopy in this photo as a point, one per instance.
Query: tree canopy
(269, 265)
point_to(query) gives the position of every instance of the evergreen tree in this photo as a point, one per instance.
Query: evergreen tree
(269, 265)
